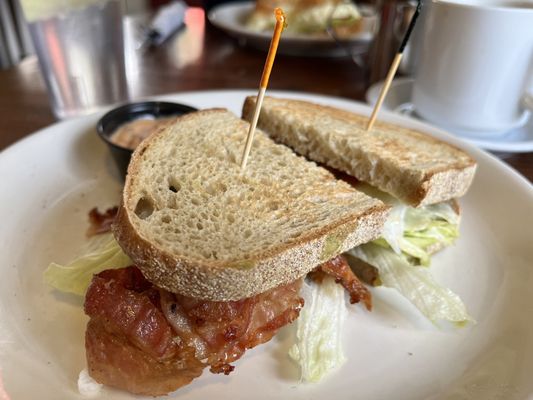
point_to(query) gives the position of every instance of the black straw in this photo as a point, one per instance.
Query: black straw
(411, 27)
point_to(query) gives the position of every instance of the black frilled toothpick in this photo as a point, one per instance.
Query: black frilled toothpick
(393, 68)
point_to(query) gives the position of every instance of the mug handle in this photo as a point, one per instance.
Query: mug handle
(406, 109)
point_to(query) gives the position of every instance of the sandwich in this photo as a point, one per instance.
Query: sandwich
(205, 262)
(420, 177)
(217, 256)
(307, 17)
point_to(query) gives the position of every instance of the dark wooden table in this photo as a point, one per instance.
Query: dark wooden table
(198, 58)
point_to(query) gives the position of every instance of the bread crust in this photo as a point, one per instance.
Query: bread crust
(218, 280)
(384, 164)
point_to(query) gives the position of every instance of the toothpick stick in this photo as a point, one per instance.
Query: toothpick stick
(393, 68)
(384, 90)
(280, 24)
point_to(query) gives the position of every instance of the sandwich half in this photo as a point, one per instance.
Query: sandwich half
(419, 176)
(218, 255)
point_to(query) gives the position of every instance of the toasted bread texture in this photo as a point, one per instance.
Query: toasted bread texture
(195, 225)
(412, 166)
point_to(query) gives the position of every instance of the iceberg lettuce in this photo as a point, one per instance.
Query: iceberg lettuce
(318, 347)
(416, 232)
(101, 252)
(414, 283)
(409, 237)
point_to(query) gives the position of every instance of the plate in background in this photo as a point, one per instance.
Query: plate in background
(51, 179)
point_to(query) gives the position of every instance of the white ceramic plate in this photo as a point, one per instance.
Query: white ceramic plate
(230, 18)
(517, 140)
(51, 179)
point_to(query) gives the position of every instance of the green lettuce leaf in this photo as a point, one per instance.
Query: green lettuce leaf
(415, 232)
(416, 284)
(408, 238)
(318, 347)
(101, 252)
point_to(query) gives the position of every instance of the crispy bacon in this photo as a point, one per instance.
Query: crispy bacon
(150, 341)
(339, 268)
(113, 360)
(126, 309)
(101, 222)
(129, 343)
(222, 331)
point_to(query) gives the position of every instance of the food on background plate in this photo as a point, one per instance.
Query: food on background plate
(417, 175)
(307, 17)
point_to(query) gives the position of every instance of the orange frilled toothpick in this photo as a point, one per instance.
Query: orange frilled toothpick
(280, 24)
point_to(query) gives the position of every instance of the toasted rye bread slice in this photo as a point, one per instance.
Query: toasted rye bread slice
(412, 166)
(196, 226)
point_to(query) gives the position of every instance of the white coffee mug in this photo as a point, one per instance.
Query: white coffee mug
(476, 65)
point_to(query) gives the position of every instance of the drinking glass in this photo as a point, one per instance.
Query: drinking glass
(80, 47)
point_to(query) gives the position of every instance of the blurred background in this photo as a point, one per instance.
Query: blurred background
(65, 58)
(184, 42)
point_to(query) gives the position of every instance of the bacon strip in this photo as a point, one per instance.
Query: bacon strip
(149, 341)
(222, 331)
(131, 313)
(129, 343)
(339, 268)
(115, 361)
(101, 222)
